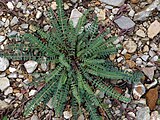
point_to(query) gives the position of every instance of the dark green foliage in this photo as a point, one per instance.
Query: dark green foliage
(80, 55)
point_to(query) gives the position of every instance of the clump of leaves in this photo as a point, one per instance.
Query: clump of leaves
(80, 56)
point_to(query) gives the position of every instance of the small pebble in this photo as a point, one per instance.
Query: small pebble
(38, 14)
(10, 5)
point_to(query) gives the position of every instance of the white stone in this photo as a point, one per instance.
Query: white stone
(115, 10)
(145, 57)
(14, 21)
(152, 53)
(155, 58)
(140, 33)
(75, 15)
(19, 4)
(154, 47)
(145, 48)
(34, 117)
(4, 83)
(148, 86)
(113, 2)
(2, 38)
(3, 105)
(10, 5)
(155, 115)
(124, 51)
(131, 13)
(32, 92)
(67, 114)
(6, 23)
(24, 26)
(4, 63)
(131, 46)
(54, 5)
(46, 27)
(11, 69)
(74, 1)
(153, 29)
(120, 59)
(66, 6)
(124, 22)
(38, 14)
(8, 91)
(143, 114)
(30, 66)
(13, 75)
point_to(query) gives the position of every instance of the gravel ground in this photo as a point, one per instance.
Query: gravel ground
(135, 22)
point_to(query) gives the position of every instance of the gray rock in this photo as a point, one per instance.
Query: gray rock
(2, 38)
(19, 4)
(12, 33)
(49, 104)
(4, 83)
(124, 22)
(75, 15)
(113, 2)
(30, 66)
(4, 63)
(14, 21)
(142, 15)
(143, 114)
(32, 92)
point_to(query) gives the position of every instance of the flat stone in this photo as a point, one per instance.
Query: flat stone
(19, 4)
(2, 38)
(143, 114)
(113, 2)
(140, 33)
(75, 15)
(4, 83)
(153, 29)
(124, 22)
(149, 72)
(3, 105)
(152, 97)
(130, 46)
(101, 14)
(50, 104)
(4, 63)
(30, 66)
(14, 21)
(10, 5)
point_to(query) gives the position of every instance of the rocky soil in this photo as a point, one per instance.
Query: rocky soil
(136, 23)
